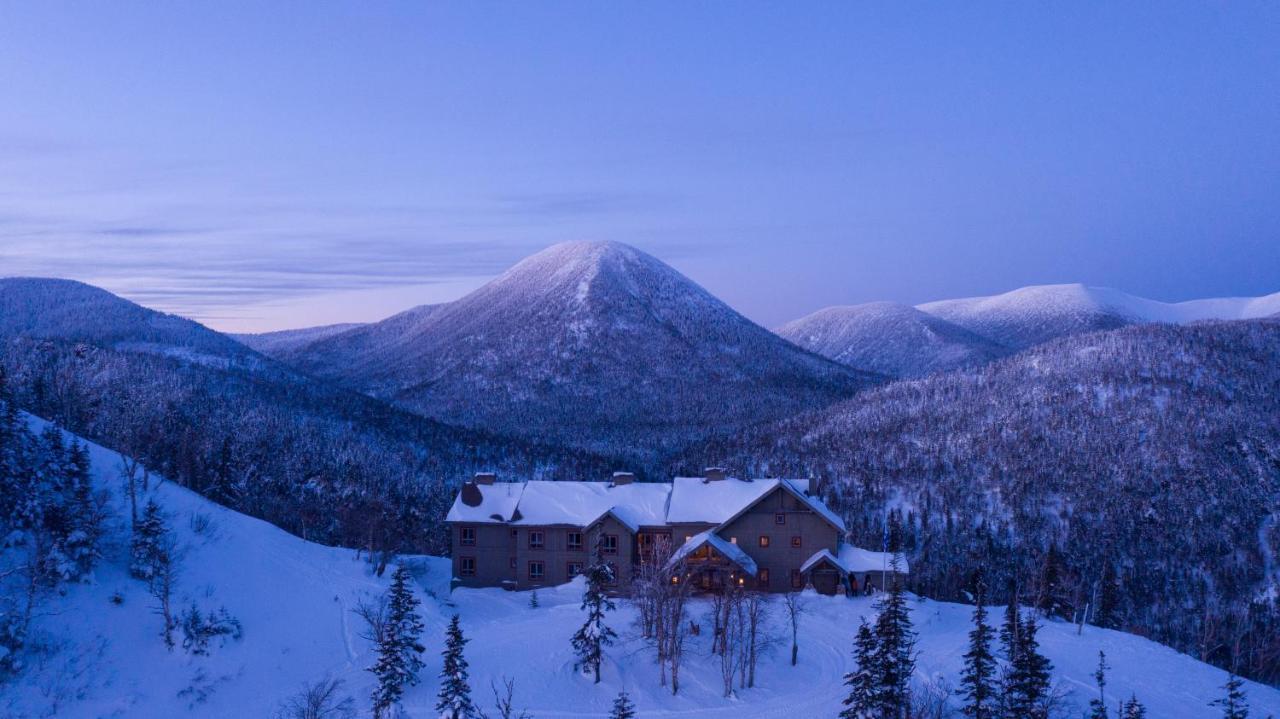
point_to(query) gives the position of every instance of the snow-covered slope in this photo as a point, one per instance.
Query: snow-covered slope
(890, 338)
(589, 343)
(69, 310)
(294, 599)
(1032, 315)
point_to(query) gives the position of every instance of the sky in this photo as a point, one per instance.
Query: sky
(260, 166)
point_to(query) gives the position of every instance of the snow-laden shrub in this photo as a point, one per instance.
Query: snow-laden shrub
(199, 630)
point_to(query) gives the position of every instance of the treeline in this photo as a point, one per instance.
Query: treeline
(1129, 478)
(328, 465)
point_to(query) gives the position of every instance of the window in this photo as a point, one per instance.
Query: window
(763, 578)
(536, 539)
(536, 571)
(575, 540)
(610, 544)
(797, 581)
(467, 566)
(764, 540)
(733, 540)
(574, 569)
(467, 536)
(779, 518)
(795, 542)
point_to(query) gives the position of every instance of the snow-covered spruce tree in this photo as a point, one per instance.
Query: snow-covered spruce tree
(85, 513)
(1234, 703)
(144, 552)
(594, 635)
(622, 707)
(895, 655)
(533, 599)
(864, 680)
(978, 679)
(454, 697)
(1027, 683)
(1098, 705)
(398, 661)
(1133, 709)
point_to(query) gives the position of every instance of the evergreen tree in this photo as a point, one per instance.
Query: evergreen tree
(399, 646)
(1098, 706)
(863, 681)
(1107, 614)
(594, 635)
(1050, 582)
(1011, 627)
(1234, 704)
(1133, 709)
(623, 708)
(977, 680)
(455, 690)
(86, 519)
(533, 599)
(894, 657)
(1027, 682)
(145, 549)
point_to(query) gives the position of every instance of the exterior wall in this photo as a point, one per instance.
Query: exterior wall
(491, 553)
(503, 553)
(780, 558)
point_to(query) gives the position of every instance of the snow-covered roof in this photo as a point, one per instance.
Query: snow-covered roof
(694, 500)
(855, 559)
(582, 503)
(635, 504)
(729, 550)
(574, 503)
(818, 557)
(498, 503)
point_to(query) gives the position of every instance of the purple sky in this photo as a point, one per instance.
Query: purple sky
(267, 165)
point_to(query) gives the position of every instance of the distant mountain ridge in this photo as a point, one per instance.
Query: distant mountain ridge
(951, 334)
(586, 343)
(890, 338)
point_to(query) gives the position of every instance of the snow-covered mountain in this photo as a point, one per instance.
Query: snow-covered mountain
(1032, 315)
(937, 336)
(96, 649)
(68, 310)
(890, 338)
(591, 343)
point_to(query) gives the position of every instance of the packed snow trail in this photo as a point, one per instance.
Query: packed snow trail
(107, 659)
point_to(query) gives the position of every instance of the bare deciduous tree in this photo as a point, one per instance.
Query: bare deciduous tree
(320, 700)
(793, 602)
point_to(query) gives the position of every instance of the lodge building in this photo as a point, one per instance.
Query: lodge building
(774, 535)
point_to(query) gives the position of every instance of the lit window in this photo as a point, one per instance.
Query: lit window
(795, 542)
(733, 540)
(797, 581)
(764, 540)
(467, 536)
(763, 578)
(467, 566)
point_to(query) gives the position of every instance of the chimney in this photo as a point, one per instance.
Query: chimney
(815, 487)
(713, 474)
(621, 478)
(485, 478)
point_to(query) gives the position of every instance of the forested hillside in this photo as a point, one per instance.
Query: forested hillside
(327, 464)
(1135, 472)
